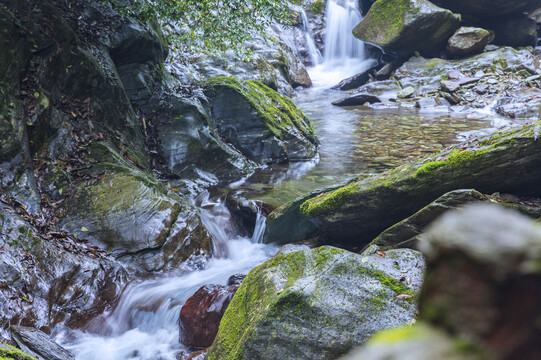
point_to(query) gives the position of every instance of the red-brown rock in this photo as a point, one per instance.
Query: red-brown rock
(201, 314)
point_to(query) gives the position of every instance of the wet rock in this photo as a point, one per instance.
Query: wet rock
(235, 279)
(201, 314)
(467, 41)
(515, 31)
(524, 106)
(38, 344)
(317, 304)
(406, 233)
(357, 99)
(354, 82)
(450, 86)
(487, 8)
(247, 212)
(388, 69)
(488, 260)
(363, 209)
(481, 89)
(407, 26)
(10, 353)
(406, 93)
(52, 281)
(259, 122)
(131, 214)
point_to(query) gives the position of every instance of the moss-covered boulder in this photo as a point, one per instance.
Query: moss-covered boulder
(467, 41)
(131, 214)
(419, 342)
(8, 352)
(263, 125)
(483, 279)
(509, 161)
(317, 304)
(405, 26)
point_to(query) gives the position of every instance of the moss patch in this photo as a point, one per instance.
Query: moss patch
(8, 352)
(279, 113)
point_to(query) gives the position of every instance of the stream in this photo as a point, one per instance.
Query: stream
(355, 141)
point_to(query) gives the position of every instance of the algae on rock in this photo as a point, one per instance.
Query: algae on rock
(317, 304)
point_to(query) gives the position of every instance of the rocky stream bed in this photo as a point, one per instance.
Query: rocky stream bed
(313, 202)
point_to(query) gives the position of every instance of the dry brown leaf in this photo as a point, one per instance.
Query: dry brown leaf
(404, 296)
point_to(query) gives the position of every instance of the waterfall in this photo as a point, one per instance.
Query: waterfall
(313, 52)
(340, 45)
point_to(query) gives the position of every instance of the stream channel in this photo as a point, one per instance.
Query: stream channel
(355, 141)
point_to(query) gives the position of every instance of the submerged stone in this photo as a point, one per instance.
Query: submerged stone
(406, 26)
(317, 304)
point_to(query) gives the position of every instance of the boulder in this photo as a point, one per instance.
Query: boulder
(405, 26)
(131, 214)
(259, 122)
(201, 314)
(482, 281)
(317, 304)
(467, 41)
(38, 344)
(488, 8)
(357, 99)
(406, 93)
(515, 31)
(506, 161)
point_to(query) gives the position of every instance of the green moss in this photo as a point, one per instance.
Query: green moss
(317, 7)
(405, 333)
(8, 352)
(389, 15)
(279, 113)
(326, 202)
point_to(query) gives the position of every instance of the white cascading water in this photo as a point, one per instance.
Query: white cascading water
(144, 325)
(344, 54)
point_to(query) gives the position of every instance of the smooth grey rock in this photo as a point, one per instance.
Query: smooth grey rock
(450, 86)
(354, 82)
(317, 304)
(357, 99)
(37, 343)
(406, 93)
(467, 41)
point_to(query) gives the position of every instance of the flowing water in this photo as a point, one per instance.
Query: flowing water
(354, 141)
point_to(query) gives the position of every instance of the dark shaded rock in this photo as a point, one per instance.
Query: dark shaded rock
(357, 99)
(405, 26)
(317, 304)
(488, 8)
(467, 41)
(388, 69)
(259, 122)
(360, 211)
(406, 233)
(235, 279)
(354, 82)
(131, 214)
(365, 5)
(39, 344)
(483, 265)
(247, 212)
(514, 31)
(201, 314)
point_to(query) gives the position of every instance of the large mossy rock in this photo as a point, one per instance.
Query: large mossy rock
(507, 161)
(405, 26)
(488, 8)
(129, 213)
(263, 125)
(317, 304)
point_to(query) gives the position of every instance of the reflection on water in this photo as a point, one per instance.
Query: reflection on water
(359, 141)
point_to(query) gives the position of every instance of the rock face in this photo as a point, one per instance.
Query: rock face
(201, 314)
(259, 122)
(515, 31)
(363, 209)
(38, 344)
(467, 41)
(405, 26)
(317, 304)
(488, 8)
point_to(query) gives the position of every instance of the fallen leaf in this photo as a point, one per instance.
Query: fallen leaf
(404, 296)
(84, 229)
(381, 253)
(374, 281)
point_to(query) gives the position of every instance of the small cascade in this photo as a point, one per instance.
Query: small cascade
(144, 324)
(315, 55)
(340, 44)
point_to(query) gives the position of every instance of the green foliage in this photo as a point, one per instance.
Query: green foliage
(210, 25)
(317, 7)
